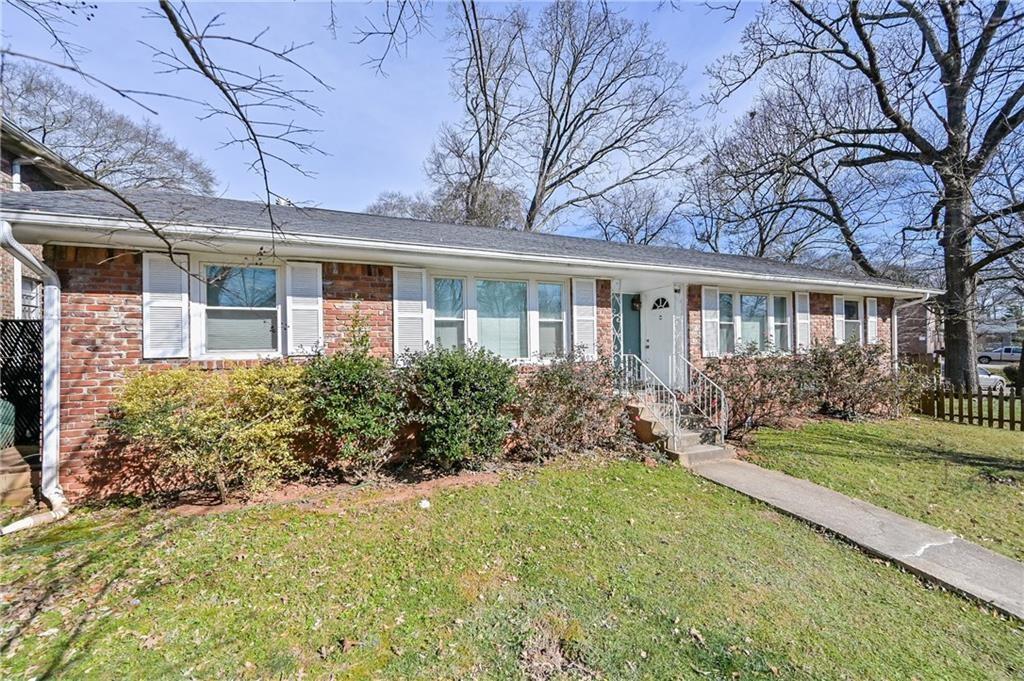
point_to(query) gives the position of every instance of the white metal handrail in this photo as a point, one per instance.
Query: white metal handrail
(701, 394)
(637, 379)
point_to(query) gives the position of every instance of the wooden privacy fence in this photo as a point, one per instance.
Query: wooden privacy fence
(982, 408)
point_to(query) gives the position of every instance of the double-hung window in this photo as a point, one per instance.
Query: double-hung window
(242, 311)
(726, 325)
(449, 312)
(852, 326)
(754, 321)
(501, 317)
(780, 324)
(31, 298)
(551, 307)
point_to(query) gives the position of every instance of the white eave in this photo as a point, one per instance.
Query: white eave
(84, 230)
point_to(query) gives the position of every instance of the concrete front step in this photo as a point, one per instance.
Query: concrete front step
(692, 456)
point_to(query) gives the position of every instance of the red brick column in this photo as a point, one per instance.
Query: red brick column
(367, 288)
(605, 333)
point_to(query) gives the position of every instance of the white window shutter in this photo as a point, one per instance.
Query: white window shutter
(803, 321)
(871, 305)
(709, 323)
(584, 316)
(305, 303)
(164, 306)
(410, 307)
(838, 319)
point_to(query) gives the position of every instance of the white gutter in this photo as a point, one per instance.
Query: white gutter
(895, 326)
(51, 489)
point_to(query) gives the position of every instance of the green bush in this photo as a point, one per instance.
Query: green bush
(569, 406)
(353, 403)
(232, 430)
(1012, 377)
(461, 401)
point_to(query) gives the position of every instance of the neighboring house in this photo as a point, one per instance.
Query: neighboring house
(256, 292)
(920, 333)
(26, 165)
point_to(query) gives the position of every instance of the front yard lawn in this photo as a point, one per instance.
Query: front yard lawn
(611, 570)
(966, 479)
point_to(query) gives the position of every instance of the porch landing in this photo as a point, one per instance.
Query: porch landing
(930, 553)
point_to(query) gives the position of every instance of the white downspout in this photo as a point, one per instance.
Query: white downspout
(894, 327)
(51, 489)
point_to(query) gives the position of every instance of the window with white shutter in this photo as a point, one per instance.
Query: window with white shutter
(305, 308)
(709, 317)
(584, 316)
(165, 310)
(409, 310)
(871, 304)
(803, 321)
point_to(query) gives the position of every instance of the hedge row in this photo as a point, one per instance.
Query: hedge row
(246, 429)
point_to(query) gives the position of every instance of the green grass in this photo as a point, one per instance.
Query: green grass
(966, 479)
(624, 571)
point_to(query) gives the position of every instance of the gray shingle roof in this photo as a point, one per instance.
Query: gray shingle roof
(179, 208)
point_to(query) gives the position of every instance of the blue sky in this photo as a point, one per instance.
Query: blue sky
(376, 130)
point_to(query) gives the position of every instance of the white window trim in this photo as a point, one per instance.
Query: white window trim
(431, 313)
(860, 317)
(738, 341)
(532, 309)
(197, 299)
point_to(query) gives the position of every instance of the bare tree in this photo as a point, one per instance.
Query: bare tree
(232, 79)
(107, 145)
(569, 104)
(945, 81)
(486, 67)
(497, 206)
(636, 214)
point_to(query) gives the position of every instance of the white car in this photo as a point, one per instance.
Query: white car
(989, 381)
(1006, 354)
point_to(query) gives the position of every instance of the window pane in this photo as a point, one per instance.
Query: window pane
(551, 338)
(241, 330)
(782, 337)
(853, 331)
(501, 317)
(754, 320)
(449, 333)
(448, 298)
(851, 309)
(726, 339)
(549, 300)
(31, 298)
(725, 307)
(781, 310)
(241, 286)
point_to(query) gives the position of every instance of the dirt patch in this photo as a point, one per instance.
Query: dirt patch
(336, 497)
(551, 652)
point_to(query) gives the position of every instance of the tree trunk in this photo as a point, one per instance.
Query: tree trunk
(958, 303)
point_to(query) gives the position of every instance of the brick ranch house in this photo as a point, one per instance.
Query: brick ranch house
(261, 292)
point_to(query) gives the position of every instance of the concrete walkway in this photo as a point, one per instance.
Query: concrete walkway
(924, 550)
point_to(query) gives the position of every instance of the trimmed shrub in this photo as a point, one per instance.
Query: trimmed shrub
(232, 430)
(461, 402)
(569, 406)
(353, 404)
(762, 388)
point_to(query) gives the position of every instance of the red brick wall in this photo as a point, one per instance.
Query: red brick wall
(694, 332)
(349, 287)
(101, 343)
(823, 328)
(605, 334)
